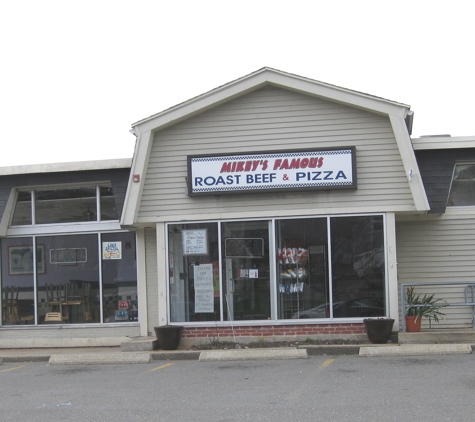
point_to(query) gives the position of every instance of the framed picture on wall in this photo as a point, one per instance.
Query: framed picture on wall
(20, 260)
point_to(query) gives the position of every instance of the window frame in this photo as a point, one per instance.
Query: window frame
(33, 189)
(273, 265)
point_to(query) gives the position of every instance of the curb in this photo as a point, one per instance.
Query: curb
(416, 350)
(341, 349)
(100, 358)
(182, 355)
(252, 354)
(244, 354)
(19, 359)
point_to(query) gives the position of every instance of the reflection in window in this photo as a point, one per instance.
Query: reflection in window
(108, 207)
(194, 272)
(326, 267)
(22, 213)
(302, 268)
(68, 290)
(17, 280)
(119, 277)
(462, 190)
(246, 275)
(358, 266)
(65, 205)
(68, 279)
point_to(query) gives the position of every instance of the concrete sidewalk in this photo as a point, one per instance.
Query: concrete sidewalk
(110, 355)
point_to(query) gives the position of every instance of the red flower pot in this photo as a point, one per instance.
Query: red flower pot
(413, 325)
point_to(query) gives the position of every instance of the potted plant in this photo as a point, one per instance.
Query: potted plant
(168, 337)
(418, 307)
(378, 330)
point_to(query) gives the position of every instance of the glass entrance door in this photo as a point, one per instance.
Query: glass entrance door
(246, 278)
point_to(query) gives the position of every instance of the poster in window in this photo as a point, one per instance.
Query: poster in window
(195, 242)
(21, 260)
(111, 250)
(204, 289)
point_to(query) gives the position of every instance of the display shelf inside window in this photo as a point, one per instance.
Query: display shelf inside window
(293, 276)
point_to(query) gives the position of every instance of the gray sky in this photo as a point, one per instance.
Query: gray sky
(75, 75)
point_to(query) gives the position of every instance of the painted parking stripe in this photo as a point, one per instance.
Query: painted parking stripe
(12, 369)
(160, 367)
(303, 385)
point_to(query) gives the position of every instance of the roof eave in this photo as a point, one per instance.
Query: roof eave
(268, 76)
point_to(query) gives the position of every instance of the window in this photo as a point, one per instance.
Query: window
(462, 190)
(77, 279)
(64, 205)
(325, 267)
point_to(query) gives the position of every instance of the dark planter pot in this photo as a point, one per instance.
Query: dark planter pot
(378, 329)
(168, 337)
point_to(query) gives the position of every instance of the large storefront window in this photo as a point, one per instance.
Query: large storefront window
(302, 268)
(119, 277)
(326, 267)
(73, 273)
(18, 294)
(194, 272)
(246, 287)
(358, 270)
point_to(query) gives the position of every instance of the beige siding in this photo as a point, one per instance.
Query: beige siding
(439, 250)
(274, 119)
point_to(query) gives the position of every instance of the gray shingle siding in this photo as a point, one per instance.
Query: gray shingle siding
(118, 177)
(436, 167)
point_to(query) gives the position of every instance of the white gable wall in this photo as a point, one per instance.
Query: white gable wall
(272, 119)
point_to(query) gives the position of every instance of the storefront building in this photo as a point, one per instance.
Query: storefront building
(272, 203)
(272, 206)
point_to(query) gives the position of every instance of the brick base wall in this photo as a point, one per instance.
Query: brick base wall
(273, 330)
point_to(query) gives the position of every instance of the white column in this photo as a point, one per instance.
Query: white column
(162, 278)
(392, 269)
(142, 283)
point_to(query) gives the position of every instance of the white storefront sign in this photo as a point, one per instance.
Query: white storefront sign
(289, 170)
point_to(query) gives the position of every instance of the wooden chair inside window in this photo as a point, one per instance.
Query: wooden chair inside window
(10, 305)
(55, 299)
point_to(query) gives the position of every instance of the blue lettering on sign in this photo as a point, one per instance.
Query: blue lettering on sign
(216, 181)
(319, 175)
(260, 178)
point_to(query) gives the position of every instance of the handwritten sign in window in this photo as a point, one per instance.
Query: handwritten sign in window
(204, 290)
(111, 250)
(195, 242)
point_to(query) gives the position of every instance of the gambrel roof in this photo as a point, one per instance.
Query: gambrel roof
(399, 114)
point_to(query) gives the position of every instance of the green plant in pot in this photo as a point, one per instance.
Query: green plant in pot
(418, 307)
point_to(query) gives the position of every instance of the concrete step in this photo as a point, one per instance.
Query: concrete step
(440, 336)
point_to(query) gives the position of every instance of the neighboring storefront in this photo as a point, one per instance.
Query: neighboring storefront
(68, 273)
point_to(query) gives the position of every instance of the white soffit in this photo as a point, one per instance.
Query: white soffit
(67, 167)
